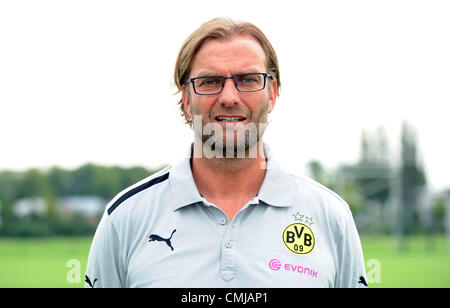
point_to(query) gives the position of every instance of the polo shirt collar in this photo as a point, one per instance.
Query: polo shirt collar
(276, 190)
(278, 186)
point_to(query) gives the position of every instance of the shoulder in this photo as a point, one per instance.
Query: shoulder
(316, 196)
(148, 186)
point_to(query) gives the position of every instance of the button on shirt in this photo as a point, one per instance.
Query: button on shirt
(162, 233)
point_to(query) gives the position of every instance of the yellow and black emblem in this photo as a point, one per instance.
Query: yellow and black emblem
(299, 238)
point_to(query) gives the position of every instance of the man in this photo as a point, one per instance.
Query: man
(228, 215)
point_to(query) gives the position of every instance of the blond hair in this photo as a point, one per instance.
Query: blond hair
(219, 29)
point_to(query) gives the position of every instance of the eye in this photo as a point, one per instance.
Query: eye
(207, 82)
(210, 81)
(248, 79)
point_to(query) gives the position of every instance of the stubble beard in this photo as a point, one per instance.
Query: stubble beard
(235, 140)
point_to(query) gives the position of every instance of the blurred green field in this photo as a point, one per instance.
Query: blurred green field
(44, 262)
(425, 262)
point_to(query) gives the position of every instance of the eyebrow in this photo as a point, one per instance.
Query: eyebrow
(211, 73)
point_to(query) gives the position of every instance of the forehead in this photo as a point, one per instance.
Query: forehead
(236, 55)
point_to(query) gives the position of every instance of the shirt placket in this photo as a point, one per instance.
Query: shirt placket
(228, 266)
(229, 245)
(230, 231)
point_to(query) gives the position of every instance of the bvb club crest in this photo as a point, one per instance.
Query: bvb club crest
(298, 237)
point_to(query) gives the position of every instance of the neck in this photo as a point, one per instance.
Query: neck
(229, 183)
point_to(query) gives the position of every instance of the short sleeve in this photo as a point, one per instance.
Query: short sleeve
(104, 268)
(351, 268)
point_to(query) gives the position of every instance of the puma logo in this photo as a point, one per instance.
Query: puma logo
(155, 237)
(88, 281)
(362, 281)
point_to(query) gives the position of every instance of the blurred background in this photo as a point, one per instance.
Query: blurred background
(88, 109)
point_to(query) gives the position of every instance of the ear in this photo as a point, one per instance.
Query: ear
(273, 94)
(185, 99)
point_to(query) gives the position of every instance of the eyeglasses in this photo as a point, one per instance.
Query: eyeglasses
(211, 85)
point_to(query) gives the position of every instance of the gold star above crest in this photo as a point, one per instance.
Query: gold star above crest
(298, 217)
(309, 221)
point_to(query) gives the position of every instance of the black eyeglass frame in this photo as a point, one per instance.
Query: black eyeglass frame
(192, 80)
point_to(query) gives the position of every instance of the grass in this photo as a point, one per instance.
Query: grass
(44, 262)
(425, 262)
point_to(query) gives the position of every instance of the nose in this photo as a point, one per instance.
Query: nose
(229, 94)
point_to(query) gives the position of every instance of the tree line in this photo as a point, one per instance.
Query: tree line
(384, 190)
(56, 182)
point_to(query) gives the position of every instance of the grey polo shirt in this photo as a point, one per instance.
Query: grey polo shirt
(161, 232)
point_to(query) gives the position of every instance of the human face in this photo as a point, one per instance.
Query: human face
(240, 54)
